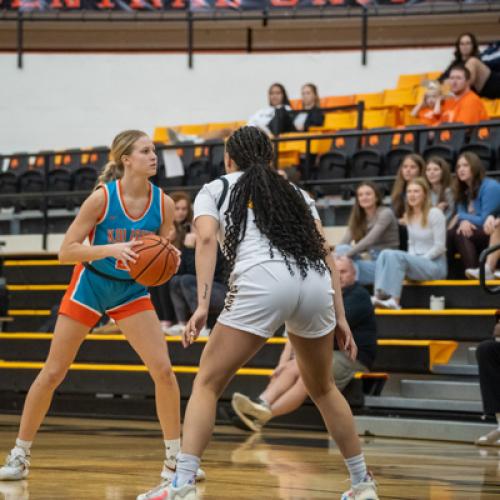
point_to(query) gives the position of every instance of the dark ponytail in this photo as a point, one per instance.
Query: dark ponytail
(281, 213)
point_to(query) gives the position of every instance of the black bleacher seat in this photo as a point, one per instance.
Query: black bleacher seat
(59, 177)
(446, 144)
(31, 172)
(485, 142)
(199, 172)
(85, 175)
(369, 160)
(8, 182)
(336, 163)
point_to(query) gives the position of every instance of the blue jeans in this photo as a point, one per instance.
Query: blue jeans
(183, 292)
(365, 269)
(393, 265)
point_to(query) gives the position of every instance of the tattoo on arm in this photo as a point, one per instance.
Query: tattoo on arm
(205, 292)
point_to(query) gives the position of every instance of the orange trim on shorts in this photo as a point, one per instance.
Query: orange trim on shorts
(73, 309)
(79, 313)
(136, 306)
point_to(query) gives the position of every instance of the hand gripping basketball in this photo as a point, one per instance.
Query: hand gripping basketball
(158, 260)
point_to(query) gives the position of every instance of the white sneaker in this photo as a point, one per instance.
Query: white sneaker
(16, 466)
(167, 474)
(14, 490)
(389, 303)
(169, 492)
(367, 490)
(496, 275)
(205, 332)
(175, 329)
(490, 439)
(473, 274)
(254, 415)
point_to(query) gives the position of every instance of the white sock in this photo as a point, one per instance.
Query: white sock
(187, 466)
(24, 446)
(498, 420)
(172, 448)
(357, 468)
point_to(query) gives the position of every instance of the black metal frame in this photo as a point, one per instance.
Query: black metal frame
(190, 17)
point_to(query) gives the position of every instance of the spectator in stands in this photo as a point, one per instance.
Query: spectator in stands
(438, 177)
(286, 392)
(426, 256)
(476, 197)
(412, 166)
(371, 228)
(311, 114)
(492, 228)
(488, 360)
(276, 118)
(160, 295)
(484, 81)
(428, 110)
(464, 106)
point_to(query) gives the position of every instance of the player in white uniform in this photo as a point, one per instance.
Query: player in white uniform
(280, 273)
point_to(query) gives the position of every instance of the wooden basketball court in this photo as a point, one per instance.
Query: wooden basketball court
(85, 459)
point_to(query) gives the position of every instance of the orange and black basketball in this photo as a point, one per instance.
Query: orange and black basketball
(157, 261)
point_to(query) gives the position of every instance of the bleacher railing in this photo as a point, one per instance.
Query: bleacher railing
(45, 196)
(191, 12)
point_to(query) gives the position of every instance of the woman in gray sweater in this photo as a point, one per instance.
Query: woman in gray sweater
(426, 255)
(371, 229)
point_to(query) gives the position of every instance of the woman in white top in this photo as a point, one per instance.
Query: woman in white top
(438, 177)
(279, 267)
(426, 255)
(276, 118)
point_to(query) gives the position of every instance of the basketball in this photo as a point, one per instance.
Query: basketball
(157, 261)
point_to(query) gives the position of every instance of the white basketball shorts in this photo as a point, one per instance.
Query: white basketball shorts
(265, 296)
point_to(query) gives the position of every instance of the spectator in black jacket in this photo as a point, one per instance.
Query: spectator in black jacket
(311, 114)
(286, 392)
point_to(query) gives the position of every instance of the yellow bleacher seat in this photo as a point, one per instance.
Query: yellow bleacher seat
(160, 134)
(219, 126)
(490, 106)
(194, 129)
(375, 100)
(399, 98)
(338, 121)
(410, 81)
(377, 118)
(318, 146)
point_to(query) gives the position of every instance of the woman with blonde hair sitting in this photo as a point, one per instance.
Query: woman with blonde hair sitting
(426, 255)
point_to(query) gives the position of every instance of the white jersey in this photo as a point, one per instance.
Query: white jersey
(254, 248)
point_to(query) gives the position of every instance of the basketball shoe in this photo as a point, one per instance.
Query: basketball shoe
(168, 472)
(252, 413)
(366, 490)
(168, 491)
(16, 466)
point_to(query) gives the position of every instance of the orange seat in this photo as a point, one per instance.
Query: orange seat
(374, 100)
(339, 121)
(410, 81)
(377, 118)
(160, 134)
(491, 107)
(400, 98)
(334, 101)
(296, 104)
(433, 75)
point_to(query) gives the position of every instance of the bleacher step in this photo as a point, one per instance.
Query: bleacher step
(441, 390)
(395, 402)
(456, 369)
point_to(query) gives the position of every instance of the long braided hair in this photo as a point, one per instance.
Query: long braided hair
(279, 209)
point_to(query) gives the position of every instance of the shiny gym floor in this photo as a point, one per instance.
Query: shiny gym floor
(87, 459)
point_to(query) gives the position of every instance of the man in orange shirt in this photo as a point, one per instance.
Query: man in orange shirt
(465, 106)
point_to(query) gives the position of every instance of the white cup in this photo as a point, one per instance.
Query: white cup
(436, 303)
